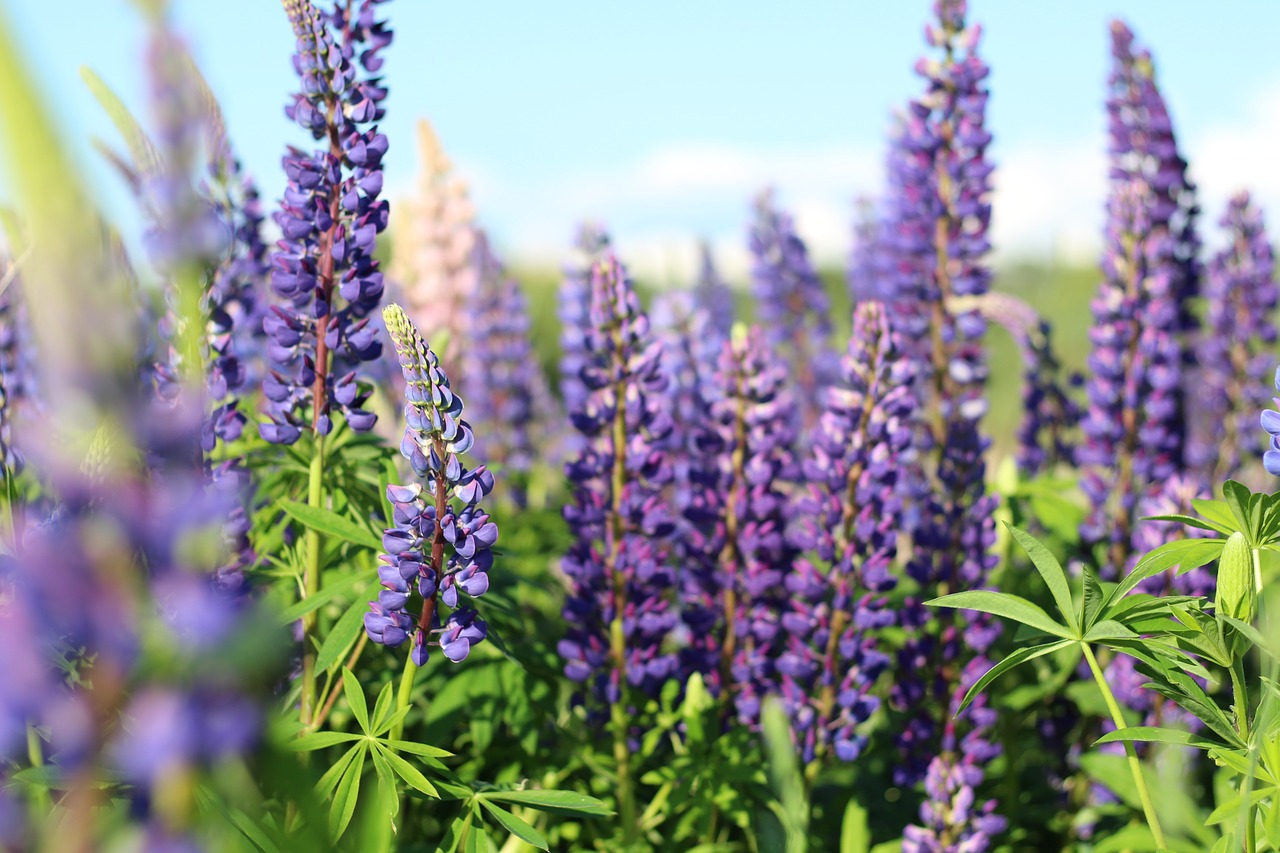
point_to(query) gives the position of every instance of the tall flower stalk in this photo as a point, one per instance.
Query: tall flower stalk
(1237, 346)
(440, 546)
(510, 400)
(847, 522)
(712, 293)
(1135, 429)
(936, 241)
(736, 555)
(618, 611)
(435, 240)
(792, 304)
(323, 270)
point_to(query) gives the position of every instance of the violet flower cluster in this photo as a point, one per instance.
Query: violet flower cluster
(618, 611)
(935, 239)
(792, 303)
(1142, 147)
(441, 545)
(1237, 344)
(847, 521)
(938, 212)
(735, 555)
(574, 309)
(1134, 427)
(507, 391)
(324, 270)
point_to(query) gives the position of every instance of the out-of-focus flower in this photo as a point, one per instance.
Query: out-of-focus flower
(618, 612)
(847, 522)
(712, 293)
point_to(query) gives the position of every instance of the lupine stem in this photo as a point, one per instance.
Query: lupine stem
(35, 754)
(1135, 765)
(404, 694)
(617, 638)
(311, 580)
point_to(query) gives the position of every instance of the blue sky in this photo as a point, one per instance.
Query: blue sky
(662, 118)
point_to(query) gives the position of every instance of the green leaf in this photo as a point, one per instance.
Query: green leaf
(354, 692)
(1093, 596)
(1154, 734)
(330, 523)
(1109, 629)
(381, 707)
(387, 790)
(1009, 606)
(1192, 521)
(332, 776)
(1184, 553)
(1237, 496)
(1051, 570)
(1231, 808)
(342, 636)
(1020, 656)
(418, 748)
(514, 825)
(554, 802)
(855, 837)
(314, 602)
(320, 740)
(1216, 511)
(408, 772)
(141, 149)
(346, 795)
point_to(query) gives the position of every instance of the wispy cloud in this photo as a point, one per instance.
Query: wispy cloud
(1048, 199)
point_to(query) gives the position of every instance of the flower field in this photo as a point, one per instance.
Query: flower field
(319, 532)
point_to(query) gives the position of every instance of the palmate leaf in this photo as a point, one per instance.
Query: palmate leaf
(331, 524)
(354, 694)
(1216, 512)
(407, 771)
(1051, 571)
(514, 825)
(1192, 521)
(1186, 554)
(569, 803)
(1155, 734)
(1007, 605)
(1238, 501)
(1020, 656)
(343, 635)
(1093, 596)
(346, 794)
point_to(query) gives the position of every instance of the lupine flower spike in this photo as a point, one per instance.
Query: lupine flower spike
(736, 553)
(439, 552)
(846, 524)
(323, 268)
(1237, 346)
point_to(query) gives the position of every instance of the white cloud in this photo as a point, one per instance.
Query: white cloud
(1048, 201)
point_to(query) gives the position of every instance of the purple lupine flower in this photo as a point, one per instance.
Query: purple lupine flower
(792, 304)
(935, 244)
(847, 523)
(574, 308)
(324, 270)
(1049, 412)
(618, 611)
(442, 540)
(16, 373)
(1134, 426)
(940, 178)
(951, 818)
(712, 293)
(1142, 147)
(1239, 339)
(507, 391)
(735, 555)
(1271, 424)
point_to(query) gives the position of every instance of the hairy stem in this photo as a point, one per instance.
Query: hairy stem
(311, 581)
(404, 694)
(1135, 765)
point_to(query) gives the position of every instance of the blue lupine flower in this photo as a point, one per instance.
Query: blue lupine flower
(441, 544)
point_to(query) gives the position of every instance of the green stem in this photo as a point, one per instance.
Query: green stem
(1135, 766)
(311, 580)
(621, 725)
(404, 694)
(35, 754)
